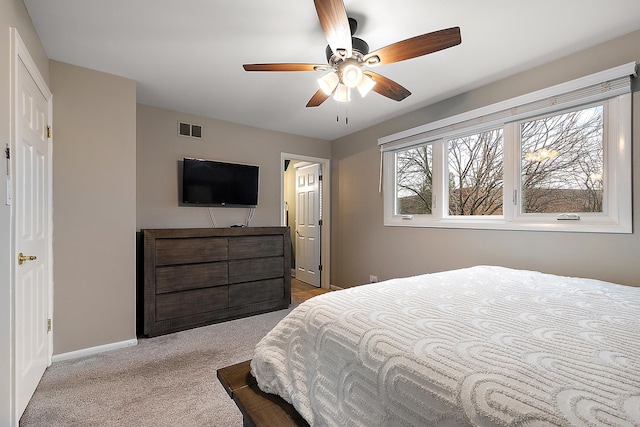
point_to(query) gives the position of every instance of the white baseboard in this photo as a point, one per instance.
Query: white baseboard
(94, 350)
(335, 288)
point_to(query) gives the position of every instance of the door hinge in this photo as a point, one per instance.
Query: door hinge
(48, 131)
(48, 325)
(319, 222)
(7, 152)
(319, 177)
(320, 267)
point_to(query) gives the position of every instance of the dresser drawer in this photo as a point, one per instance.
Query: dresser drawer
(255, 246)
(184, 277)
(187, 303)
(250, 270)
(191, 250)
(254, 292)
(192, 275)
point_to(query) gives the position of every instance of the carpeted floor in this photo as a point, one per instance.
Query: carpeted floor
(163, 381)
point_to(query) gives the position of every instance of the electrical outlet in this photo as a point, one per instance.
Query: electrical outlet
(373, 279)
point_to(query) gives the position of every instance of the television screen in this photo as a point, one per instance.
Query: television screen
(212, 183)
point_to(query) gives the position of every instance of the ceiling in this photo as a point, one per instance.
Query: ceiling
(187, 55)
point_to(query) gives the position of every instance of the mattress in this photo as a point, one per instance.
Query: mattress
(480, 346)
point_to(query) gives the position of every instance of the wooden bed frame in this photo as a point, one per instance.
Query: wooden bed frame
(259, 409)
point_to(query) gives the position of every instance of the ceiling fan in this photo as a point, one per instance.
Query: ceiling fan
(347, 56)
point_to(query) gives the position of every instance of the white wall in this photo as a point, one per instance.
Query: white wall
(361, 245)
(159, 148)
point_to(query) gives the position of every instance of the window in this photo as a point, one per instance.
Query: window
(555, 160)
(563, 162)
(414, 173)
(475, 165)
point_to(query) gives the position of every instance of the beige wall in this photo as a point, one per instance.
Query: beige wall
(290, 198)
(94, 208)
(361, 245)
(159, 148)
(12, 14)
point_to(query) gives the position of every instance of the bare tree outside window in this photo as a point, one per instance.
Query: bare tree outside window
(562, 165)
(476, 174)
(562, 162)
(414, 181)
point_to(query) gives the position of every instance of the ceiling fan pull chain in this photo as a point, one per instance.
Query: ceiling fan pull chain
(346, 112)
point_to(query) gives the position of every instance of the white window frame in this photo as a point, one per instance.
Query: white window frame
(610, 87)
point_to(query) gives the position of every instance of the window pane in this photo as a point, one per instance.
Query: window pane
(476, 174)
(414, 181)
(562, 162)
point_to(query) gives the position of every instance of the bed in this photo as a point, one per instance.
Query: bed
(480, 346)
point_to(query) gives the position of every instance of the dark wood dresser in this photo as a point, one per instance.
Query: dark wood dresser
(198, 276)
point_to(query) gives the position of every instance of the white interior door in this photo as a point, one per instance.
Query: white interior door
(32, 237)
(308, 224)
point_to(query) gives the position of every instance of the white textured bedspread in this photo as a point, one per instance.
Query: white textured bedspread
(481, 346)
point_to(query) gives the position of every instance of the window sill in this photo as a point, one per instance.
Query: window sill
(591, 225)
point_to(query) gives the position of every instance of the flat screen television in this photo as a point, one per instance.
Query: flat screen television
(213, 183)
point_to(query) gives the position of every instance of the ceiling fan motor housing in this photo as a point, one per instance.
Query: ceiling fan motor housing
(357, 45)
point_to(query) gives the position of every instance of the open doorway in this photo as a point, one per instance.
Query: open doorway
(305, 210)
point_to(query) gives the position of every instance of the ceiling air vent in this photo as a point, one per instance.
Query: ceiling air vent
(190, 130)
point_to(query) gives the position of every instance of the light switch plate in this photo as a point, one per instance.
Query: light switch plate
(9, 193)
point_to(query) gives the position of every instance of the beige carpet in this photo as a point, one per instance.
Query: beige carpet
(164, 381)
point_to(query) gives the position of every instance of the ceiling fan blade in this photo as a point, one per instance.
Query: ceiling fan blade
(284, 67)
(318, 98)
(415, 46)
(387, 87)
(335, 24)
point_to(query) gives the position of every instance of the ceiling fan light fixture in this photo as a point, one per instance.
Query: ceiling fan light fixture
(343, 93)
(365, 85)
(328, 83)
(351, 75)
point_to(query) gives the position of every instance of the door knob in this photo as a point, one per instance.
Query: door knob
(23, 258)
